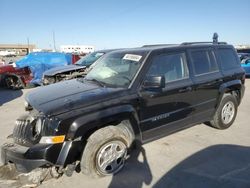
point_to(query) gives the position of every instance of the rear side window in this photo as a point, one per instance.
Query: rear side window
(204, 61)
(228, 58)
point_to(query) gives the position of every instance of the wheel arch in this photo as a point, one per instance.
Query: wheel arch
(84, 126)
(233, 87)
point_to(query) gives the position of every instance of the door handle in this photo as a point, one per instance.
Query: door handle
(186, 89)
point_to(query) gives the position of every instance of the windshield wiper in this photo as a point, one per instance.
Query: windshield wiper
(97, 81)
(127, 78)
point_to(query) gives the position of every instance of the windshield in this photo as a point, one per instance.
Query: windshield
(89, 59)
(116, 69)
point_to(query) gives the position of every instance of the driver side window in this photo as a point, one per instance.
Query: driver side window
(172, 66)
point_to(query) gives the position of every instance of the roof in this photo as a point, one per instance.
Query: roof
(149, 48)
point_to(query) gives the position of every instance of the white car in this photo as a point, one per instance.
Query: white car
(7, 53)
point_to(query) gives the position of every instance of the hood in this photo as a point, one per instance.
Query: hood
(68, 95)
(61, 69)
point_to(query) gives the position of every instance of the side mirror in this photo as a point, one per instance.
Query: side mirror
(154, 82)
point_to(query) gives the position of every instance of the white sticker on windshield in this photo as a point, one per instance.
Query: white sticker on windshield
(132, 57)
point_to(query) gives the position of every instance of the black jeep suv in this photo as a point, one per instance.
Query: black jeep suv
(132, 94)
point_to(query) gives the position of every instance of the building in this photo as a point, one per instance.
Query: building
(77, 49)
(19, 49)
(243, 48)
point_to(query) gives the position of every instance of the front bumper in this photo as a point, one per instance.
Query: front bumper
(29, 158)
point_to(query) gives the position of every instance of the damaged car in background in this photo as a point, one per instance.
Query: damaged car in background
(28, 71)
(79, 69)
(15, 78)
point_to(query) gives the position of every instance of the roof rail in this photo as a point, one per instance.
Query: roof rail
(190, 43)
(153, 45)
(215, 41)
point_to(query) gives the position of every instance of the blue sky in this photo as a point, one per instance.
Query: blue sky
(123, 23)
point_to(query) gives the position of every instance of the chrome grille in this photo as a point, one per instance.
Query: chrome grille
(20, 130)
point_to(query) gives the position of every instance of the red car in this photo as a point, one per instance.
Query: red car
(15, 78)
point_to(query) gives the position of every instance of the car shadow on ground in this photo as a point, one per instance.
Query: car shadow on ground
(223, 166)
(135, 173)
(7, 95)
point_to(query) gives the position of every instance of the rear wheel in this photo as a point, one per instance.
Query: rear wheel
(14, 82)
(226, 112)
(105, 151)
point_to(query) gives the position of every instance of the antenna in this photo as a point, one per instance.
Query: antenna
(215, 38)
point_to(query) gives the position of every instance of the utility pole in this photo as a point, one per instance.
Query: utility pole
(28, 43)
(54, 41)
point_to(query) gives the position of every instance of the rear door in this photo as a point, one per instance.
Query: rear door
(207, 78)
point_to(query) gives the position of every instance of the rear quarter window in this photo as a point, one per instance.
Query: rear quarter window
(203, 61)
(228, 58)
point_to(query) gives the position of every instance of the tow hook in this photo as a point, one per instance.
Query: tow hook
(71, 168)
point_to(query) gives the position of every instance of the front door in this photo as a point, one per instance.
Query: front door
(169, 109)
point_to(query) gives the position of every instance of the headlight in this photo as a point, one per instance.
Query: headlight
(48, 80)
(38, 126)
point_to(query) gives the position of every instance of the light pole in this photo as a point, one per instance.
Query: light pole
(54, 41)
(28, 42)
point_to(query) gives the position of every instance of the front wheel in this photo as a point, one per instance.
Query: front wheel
(226, 112)
(105, 152)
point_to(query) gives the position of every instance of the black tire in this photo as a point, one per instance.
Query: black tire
(96, 144)
(219, 120)
(14, 82)
(2, 80)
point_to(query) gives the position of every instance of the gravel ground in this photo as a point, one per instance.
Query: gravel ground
(196, 157)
